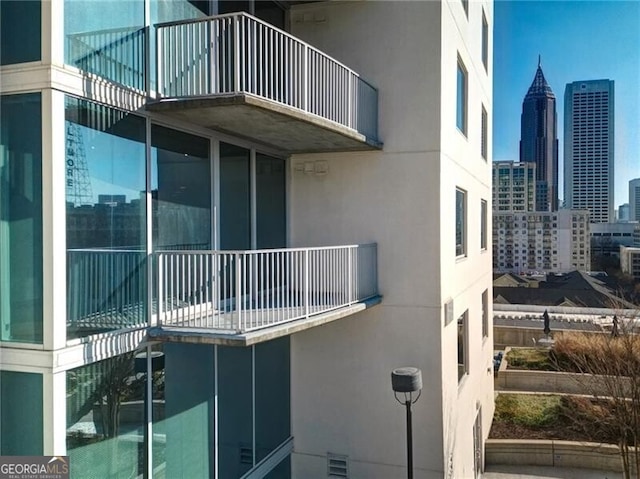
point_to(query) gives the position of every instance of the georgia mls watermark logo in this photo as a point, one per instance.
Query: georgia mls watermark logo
(34, 467)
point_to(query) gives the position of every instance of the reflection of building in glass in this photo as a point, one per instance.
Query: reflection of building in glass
(189, 218)
(107, 224)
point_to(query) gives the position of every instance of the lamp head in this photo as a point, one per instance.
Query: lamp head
(406, 380)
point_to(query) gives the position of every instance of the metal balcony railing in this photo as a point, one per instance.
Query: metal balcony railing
(238, 53)
(227, 291)
(243, 291)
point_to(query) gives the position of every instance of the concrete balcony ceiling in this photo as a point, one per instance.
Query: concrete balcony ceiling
(237, 74)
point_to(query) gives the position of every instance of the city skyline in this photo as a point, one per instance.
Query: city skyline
(577, 40)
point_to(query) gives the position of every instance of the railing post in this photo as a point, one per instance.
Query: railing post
(210, 56)
(236, 52)
(305, 80)
(350, 273)
(159, 63)
(147, 60)
(238, 294)
(160, 307)
(306, 282)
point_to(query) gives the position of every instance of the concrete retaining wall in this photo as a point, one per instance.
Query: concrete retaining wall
(504, 336)
(534, 452)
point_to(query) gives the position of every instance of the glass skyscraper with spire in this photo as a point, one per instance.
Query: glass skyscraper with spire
(539, 140)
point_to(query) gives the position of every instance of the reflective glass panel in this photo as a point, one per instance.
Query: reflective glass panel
(20, 25)
(181, 184)
(235, 198)
(105, 185)
(270, 202)
(106, 37)
(105, 419)
(21, 414)
(21, 218)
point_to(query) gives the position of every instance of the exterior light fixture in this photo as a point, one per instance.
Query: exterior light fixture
(407, 381)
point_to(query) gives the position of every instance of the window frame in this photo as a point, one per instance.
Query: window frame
(462, 96)
(462, 334)
(461, 247)
(484, 133)
(485, 314)
(485, 42)
(483, 224)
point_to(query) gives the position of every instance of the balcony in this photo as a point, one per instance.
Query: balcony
(219, 297)
(237, 74)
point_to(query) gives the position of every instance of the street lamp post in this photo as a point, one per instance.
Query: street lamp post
(407, 380)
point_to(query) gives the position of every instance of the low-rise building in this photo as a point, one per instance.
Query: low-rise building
(606, 238)
(630, 261)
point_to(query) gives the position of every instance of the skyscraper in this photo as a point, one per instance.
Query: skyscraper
(634, 200)
(588, 148)
(539, 140)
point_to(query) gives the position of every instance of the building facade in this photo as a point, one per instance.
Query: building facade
(606, 238)
(634, 200)
(204, 236)
(630, 261)
(589, 148)
(539, 140)
(623, 212)
(541, 242)
(514, 186)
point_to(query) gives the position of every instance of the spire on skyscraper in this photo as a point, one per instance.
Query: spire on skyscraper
(540, 87)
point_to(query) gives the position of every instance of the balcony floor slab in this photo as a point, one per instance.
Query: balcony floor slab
(199, 335)
(270, 123)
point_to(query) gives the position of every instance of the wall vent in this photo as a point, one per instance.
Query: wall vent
(246, 455)
(337, 465)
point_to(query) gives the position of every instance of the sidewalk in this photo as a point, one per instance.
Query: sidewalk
(544, 472)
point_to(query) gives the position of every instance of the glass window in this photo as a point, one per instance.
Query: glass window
(485, 313)
(183, 427)
(111, 44)
(105, 418)
(463, 347)
(21, 414)
(21, 218)
(20, 26)
(461, 99)
(235, 197)
(483, 224)
(484, 133)
(181, 182)
(485, 41)
(461, 220)
(270, 202)
(106, 218)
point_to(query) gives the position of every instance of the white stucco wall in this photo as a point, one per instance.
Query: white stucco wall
(402, 198)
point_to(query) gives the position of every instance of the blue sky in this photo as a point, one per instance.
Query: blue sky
(577, 40)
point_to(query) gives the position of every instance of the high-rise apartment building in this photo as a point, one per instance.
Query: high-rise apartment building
(216, 245)
(539, 140)
(514, 186)
(541, 241)
(589, 148)
(634, 200)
